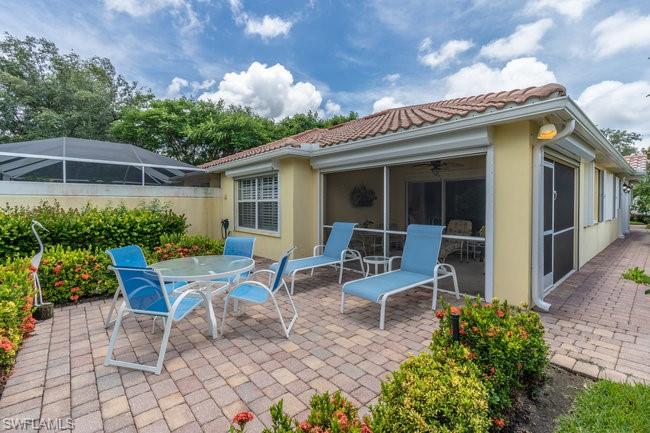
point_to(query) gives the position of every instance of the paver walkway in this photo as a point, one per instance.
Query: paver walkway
(599, 323)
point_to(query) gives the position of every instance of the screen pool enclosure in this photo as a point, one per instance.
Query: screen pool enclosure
(76, 160)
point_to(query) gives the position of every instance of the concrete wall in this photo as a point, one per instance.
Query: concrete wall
(298, 203)
(201, 206)
(513, 180)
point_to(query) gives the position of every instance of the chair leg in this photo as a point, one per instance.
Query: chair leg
(382, 313)
(225, 313)
(434, 302)
(312, 271)
(342, 301)
(293, 281)
(163, 345)
(113, 307)
(116, 330)
(453, 275)
(212, 321)
(341, 273)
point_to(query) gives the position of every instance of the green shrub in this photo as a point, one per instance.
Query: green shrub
(506, 344)
(439, 391)
(67, 275)
(173, 246)
(637, 275)
(86, 228)
(15, 309)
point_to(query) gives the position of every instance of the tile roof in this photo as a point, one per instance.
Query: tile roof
(395, 119)
(638, 162)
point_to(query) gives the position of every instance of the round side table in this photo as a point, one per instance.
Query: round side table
(375, 260)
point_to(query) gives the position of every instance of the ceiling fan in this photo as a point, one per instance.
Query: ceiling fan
(438, 165)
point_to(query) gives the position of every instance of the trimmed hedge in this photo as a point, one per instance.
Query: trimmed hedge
(86, 228)
(15, 309)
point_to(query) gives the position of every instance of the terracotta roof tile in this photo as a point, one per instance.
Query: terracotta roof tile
(638, 162)
(395, 119)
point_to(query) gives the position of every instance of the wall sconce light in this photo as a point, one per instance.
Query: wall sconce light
(547, 131)
(627, 188)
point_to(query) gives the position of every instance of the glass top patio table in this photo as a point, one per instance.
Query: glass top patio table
(203, 268)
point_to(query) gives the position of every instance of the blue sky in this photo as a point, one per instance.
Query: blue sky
(283, 57)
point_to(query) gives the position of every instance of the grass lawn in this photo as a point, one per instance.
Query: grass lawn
(609, 407)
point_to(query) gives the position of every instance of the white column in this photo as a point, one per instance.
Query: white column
(489, 223)
(386, 204)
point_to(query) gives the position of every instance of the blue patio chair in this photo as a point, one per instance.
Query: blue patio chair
(130, 257)
(259, 293)
(419, 267)
(238, 246)
(145, 293)
(335, 253)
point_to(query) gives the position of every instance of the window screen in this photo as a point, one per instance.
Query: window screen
(257, 203)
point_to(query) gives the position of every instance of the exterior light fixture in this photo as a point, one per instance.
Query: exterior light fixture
(547, 131)
(627, 188)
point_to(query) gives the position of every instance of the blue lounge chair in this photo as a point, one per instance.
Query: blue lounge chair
(145, 293)
(131, 257)
(258, 293)
(335, 253)
(419, 267)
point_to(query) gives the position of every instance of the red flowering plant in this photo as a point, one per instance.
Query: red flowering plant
(506, 343)
(16, 292)
(68, 275)
(240, 420)
(178, 245)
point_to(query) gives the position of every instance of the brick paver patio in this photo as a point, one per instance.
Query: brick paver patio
(599, 323)
(595, 327)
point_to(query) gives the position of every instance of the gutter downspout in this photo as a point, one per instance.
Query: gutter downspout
(538, 216)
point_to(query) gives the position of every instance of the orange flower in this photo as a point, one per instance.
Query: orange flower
(500, 314)
(33, 268)
(304, 426)
(455, 310)
(85, 277)
(75, 289)
(57, 269)
(74, 298)
(499, 422)
(243, 417)
(59, 283)
(365, 428)
(6, 344)
(475, 330)
(440, 314)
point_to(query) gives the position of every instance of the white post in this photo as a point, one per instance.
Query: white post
(320, 208)
(143, 176)
(489, 223)
(386, 204)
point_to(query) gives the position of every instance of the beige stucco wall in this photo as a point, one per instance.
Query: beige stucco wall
(338, 205)
(513, 211)
(593, 238)
(298, 192)
(201, 206)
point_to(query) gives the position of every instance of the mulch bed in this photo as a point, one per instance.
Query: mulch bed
(537, 413)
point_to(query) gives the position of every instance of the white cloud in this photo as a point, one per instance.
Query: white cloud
(138, 8)
(480, 78)
(332, 108)
(269, 91)
(523, 42)
(570, 8)
(392, 78)
(187, 19)
(179, 87)
(622, 31)
(175, 88)
(613, 104)
(385, 103)
(446, 53)
(267, 27)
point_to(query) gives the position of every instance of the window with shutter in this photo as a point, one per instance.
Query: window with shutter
(258, 203)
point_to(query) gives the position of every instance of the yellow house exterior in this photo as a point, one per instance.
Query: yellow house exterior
(539, 209)
(314, 181)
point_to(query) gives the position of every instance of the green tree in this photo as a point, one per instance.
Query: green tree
(192, 131)
(641, 201)
(44, 93)
(624, 141)
(201, 131)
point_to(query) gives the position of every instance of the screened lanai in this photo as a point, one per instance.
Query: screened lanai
(76, 160)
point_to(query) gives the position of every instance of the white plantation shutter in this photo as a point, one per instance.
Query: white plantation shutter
(257, 203)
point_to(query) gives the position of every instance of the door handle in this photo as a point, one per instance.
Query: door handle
(554, 195)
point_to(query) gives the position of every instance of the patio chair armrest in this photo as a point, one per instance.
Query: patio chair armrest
(255, 283)
(353, 253)
(390, 262)
(317, 247)
(261, 271)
